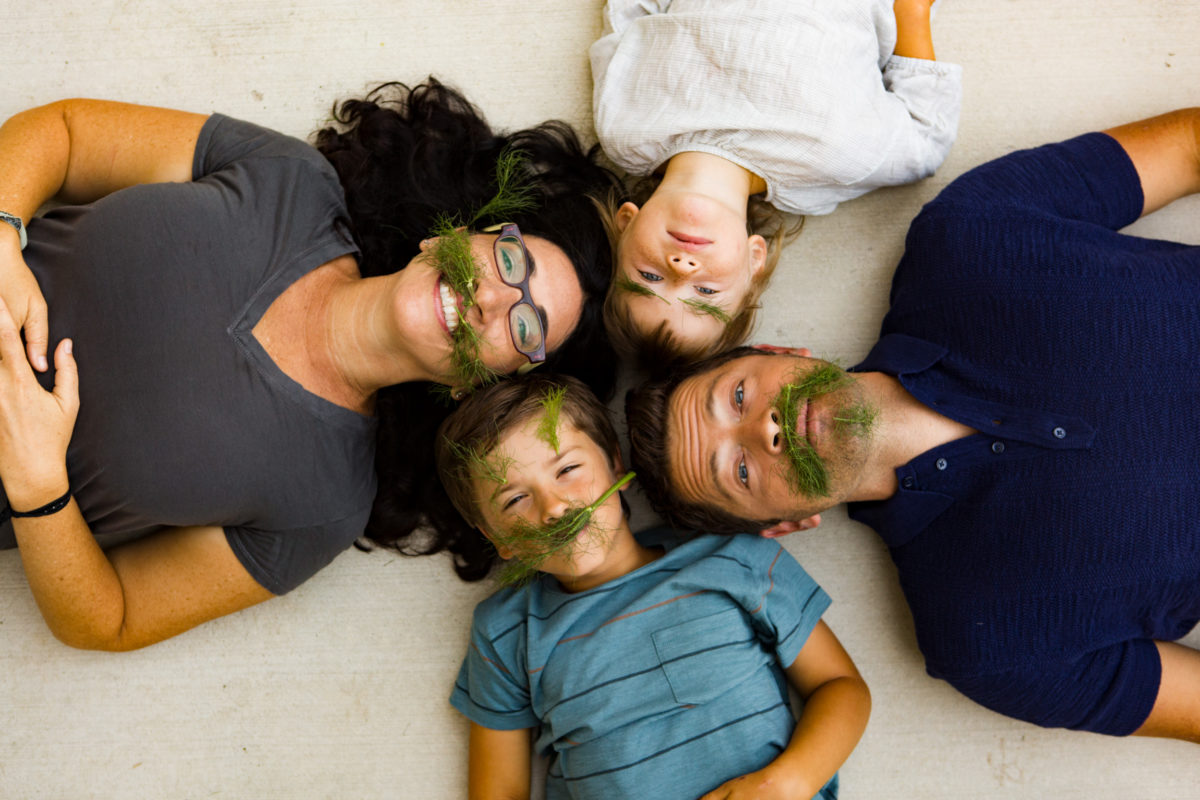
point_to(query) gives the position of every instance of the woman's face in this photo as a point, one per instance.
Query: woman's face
(432, 310)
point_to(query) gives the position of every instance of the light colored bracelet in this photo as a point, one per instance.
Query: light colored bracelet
(15, 221)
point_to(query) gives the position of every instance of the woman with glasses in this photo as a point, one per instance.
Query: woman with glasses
(258, 325)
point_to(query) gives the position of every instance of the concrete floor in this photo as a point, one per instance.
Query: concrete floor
(338, 689)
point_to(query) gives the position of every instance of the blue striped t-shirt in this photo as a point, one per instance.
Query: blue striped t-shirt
(664, 683)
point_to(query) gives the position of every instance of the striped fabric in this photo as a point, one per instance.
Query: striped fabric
(664, 683)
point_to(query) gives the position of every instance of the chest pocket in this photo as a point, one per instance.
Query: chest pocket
(704, 658)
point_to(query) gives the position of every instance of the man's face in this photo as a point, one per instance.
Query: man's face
(726, 446)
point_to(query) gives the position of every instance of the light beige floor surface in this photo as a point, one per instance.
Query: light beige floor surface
(338, 690)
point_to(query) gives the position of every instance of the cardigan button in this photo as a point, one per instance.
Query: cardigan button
(1059, 433)
(908, 482)
(997, 447)
(941, 463)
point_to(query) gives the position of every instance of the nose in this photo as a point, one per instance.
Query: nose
(682, 264)
(772, 433)
(553, 509)
(493, 296)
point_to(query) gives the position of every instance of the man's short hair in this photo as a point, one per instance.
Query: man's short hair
(646, 409)
(484, 417)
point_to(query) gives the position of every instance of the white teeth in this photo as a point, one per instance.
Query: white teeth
(449, 306)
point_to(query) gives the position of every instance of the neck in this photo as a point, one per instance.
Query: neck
(904, 429)
(713, 176)
(357, 334)
(627, 555)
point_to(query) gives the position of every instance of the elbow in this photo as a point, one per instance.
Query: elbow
(87, 638)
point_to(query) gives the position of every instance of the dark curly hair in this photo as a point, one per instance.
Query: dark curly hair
(405, 156)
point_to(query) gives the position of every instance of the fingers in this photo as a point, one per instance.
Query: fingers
(66, 376)
(37, 333)
(11, 349)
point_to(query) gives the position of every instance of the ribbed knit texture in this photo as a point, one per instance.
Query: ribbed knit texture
(1041, 557)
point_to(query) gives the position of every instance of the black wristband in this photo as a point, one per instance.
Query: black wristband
(53, 507)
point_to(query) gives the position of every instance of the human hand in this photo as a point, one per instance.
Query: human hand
(768, 783)
(26, 305)
(35, 425)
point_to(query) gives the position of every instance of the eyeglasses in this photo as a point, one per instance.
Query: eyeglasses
(526, 325)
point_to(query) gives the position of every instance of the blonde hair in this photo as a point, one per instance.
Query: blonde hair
(659, 348)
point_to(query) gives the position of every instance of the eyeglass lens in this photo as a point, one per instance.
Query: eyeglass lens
(524, 323)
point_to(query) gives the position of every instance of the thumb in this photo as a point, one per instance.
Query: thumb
(66, 376)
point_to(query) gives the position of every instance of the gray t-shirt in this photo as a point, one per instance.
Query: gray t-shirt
(184, 419)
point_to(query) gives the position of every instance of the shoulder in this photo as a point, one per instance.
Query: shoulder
(502, 612)
(225, 141)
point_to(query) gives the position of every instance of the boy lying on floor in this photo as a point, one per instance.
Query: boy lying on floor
(654, 666)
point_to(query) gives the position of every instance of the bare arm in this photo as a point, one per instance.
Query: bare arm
(837, 704)
(914, 37)
(498, 764)
(1176, 712)
(1165, 150)
(77, 151)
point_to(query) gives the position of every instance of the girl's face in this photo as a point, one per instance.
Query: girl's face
(685, 260)
(532, 485)
(432, 310)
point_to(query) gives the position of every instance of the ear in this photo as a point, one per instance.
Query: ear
(618, 466)
(758, 255)
(427, 243)
(803, 352)
(790, 526)
(625, 215)
(504, 552)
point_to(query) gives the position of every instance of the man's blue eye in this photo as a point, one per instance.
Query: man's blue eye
(650, 276)
(743, 474)
(738, 395)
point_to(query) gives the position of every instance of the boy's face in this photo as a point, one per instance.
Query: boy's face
(539, 486)
(686, 260)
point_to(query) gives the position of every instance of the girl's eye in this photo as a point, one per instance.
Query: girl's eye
(510, 502)
(743, 473)
(567, 468)
(739, 394)
(650, 276)
(705, 290)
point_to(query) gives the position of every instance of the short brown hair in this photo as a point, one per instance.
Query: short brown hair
(646, 411)
(660, 349)
(485, 416)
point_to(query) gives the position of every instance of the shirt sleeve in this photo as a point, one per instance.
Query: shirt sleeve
(282, 560)
(1089, 178)
(923, 104)
(1110, 690)
(492, 689)
(785, 603)
(224, 141)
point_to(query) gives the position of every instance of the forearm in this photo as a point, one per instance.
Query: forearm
(914, 37)
(834, 718)
(72, 580)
